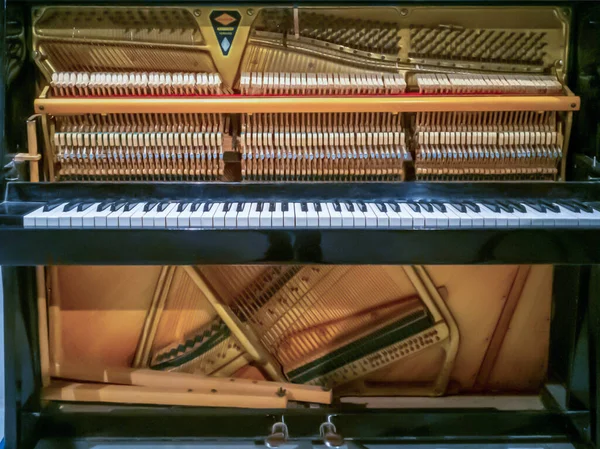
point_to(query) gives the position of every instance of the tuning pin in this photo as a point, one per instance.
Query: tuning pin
(279, 435)
(330, 436)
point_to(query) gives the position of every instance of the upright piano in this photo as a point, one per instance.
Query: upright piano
(300, 224)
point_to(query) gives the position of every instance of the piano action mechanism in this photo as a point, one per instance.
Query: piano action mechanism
(287, 94)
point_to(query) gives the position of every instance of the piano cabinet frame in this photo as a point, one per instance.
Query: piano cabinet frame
(574, 358)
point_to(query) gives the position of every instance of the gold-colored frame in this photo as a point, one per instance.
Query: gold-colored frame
(552, 21)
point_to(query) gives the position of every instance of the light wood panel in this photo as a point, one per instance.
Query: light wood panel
(102, 312)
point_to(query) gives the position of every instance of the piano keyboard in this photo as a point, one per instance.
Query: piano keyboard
(315, 214)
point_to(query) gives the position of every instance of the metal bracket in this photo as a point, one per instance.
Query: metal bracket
(32, 156)
(26, 157)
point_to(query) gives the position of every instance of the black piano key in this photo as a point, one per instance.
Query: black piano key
(381, 207)
(548, 205)
(362, 207)
(53, 205)
(395, 207)
(428, 207)
(150, 205)
(259, 206)
(85, 205)
(195, 206)
(595, 205)
(569, 206)
(208, 207)
(536, 206)
(349, 206)
(491, 206)
(439, 206)
(72, 205)
(163, 205)
(272, 207)
(472, 206)
(130, 206)
(318, 207)
(117, 205)
(337, 206)
(460, 207)
(304, 207)
(240, 207)
(181, 206)
(517, 206)
(285, 207)
(226, 207)
(414, 206)
(506, 207)
(582, 206)
(105, 205)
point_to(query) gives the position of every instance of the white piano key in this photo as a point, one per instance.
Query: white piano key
(160, 219)
(382, 218)
(465, 220)
(196, 216)
(231, 216)
(347, 216)
(489, 217)
(206, 220)
(218, 218)
(453, 219)
(335, 217)
(301, 219)
(277, 216)
(148, 217)
(254, 215)
(434, 219)
(360, 221)
(289, 216)
(54, 216)
(589, 219)
(136, 219)
(30, 218)
(324, 216)
(370, 217)
(265, 216)
(418, 220)
(183, 219)
(112, 220)
(242, 216)
(171, 218)
(125, 217)
(312, 217)
(406, 220)
(538, 219)
(101, 218)
(566, 218)
(476, 218)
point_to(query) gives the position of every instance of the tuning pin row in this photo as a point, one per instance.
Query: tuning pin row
(118, 84)
(256, 83)
(442, 83)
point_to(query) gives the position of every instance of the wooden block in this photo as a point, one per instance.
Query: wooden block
(127, 394)
(176, 380)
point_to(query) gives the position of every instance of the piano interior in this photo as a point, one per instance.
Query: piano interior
(313, 94)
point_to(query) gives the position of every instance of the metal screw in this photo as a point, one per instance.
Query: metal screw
(41, 108)
(197, 12)
(250, 12)
(404, 12)
(559, 63)
(573, 105)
